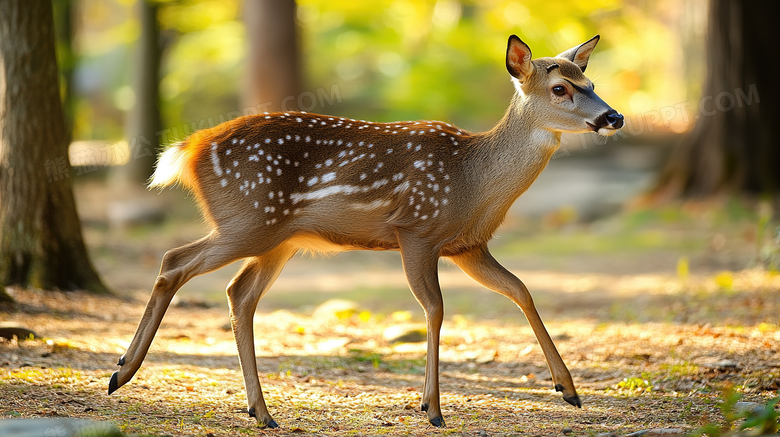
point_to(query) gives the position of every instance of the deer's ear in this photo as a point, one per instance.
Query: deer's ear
(518, 59)
(580, 54)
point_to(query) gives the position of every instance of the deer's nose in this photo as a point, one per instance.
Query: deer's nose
(614, 118)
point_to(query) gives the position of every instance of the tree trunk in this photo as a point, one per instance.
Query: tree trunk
(732, 148)
(273, 78)
(143, 119)
(66, 59)
(40, 232)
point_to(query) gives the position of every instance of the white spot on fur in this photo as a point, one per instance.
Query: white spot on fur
(214, 160)
(336, 189)
(327, 177)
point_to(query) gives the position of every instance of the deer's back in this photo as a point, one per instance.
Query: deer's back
(330, 183)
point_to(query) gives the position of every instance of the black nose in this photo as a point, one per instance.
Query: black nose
(615, 119)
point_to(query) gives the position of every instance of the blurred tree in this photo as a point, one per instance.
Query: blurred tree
(273, 62)
(732, 147)
(40, 233)
(143, 120)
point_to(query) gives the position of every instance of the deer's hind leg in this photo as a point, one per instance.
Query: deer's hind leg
(244, 292)
(178, 266)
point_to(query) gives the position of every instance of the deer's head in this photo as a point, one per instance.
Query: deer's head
(557, 90)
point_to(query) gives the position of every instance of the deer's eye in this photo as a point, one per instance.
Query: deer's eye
(559, 90)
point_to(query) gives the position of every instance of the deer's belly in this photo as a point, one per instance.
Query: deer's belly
(334, 244)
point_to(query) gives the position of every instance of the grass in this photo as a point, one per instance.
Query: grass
(368, 386)
(641, 306)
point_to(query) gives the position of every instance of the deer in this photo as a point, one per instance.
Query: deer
(273, 184)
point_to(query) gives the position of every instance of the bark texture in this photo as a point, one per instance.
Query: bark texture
(732, 147)
(273, 62)
(40, 233)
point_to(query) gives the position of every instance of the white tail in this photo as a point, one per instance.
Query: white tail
(278, 183)
(172, 167)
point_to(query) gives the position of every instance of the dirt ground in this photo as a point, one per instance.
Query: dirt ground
(653, 312)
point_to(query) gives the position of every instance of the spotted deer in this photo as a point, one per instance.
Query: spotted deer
(275, 184)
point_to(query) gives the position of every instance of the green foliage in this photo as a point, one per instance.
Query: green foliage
(763, 420)
(391, 59)
(402, 59)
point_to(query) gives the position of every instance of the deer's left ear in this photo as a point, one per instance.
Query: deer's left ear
(580, 54)
(518, 59)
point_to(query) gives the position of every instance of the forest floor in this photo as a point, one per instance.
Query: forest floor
(655, 312)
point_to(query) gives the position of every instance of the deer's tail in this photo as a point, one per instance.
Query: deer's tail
(175, 165)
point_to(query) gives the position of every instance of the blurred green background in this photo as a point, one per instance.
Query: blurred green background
(390, 59)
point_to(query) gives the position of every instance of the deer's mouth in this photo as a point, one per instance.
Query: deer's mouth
(605, 130)
(607, 123)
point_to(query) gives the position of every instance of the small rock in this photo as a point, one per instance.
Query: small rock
(10, 330)
(748, 407)
(566, 430)
(192, 303)
(336, 309)
(486, 357)
(607, 434)
(63, 427)
(721, 365)
(405, 334)
(481, 433)
(658, 432)
(134, 212)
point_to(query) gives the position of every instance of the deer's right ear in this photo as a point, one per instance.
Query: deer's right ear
(518, 59)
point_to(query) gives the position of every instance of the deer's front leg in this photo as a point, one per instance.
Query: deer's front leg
(421, 264)
(244, 292)
(480, 265)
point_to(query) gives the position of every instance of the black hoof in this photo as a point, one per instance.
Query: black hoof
(424, 407)
(272, 425)
(121, 361)
(251, 412)
(113, 384)
(437, 422)
(574, 400)
(558, 387)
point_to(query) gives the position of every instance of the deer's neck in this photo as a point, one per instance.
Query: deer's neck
(514, 152)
